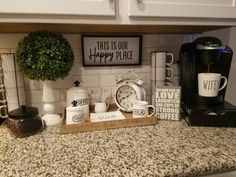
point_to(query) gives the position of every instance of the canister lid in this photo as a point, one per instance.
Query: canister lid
(77, 88)
(24, 112)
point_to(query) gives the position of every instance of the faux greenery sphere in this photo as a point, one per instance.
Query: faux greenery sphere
(44, 55)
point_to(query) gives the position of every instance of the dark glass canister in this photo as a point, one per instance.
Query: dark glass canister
(25, 121)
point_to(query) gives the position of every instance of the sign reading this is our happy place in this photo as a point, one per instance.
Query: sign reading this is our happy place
(167, 102)
(111, 50)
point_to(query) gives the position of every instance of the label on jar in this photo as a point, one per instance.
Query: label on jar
(75, 116)
(82, 102)
(78, 118)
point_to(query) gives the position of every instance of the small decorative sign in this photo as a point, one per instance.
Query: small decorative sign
(111, 50)
(106, 116)
(167, 102)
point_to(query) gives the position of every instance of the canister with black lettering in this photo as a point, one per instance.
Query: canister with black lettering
(78, 94)
(74, 114)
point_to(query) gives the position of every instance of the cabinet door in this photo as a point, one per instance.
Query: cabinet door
(183, 8)
(58, 7)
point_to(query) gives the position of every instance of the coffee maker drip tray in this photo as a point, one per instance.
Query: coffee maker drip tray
(222, 115)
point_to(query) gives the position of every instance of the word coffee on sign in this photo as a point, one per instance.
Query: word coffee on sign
(111, 50)
(167, 102)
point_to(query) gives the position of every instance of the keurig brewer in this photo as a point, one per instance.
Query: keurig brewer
(204, 70)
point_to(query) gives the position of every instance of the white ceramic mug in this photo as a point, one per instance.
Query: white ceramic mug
(141, 109)
(161, 73)
(101, 107)
(162, 58)
(209, 84)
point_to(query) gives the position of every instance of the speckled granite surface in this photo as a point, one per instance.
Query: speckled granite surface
(167, 149)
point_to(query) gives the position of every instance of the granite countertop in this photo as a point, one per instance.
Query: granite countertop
(166, 149)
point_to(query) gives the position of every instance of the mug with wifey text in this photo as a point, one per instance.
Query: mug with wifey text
(209, 84)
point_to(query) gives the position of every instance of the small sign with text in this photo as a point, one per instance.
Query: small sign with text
(111, 50)
(167, 102)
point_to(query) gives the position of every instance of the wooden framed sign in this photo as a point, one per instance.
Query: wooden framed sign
(111, 50)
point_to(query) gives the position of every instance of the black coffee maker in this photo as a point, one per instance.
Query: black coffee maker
(205, 55)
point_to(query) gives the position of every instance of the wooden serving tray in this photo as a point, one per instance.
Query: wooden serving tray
(94, 126)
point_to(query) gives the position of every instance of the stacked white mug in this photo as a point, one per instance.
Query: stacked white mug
(161, 72)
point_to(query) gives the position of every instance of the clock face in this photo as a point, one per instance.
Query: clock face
(125, 96)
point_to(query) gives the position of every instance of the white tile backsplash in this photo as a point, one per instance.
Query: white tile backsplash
(10, 40)
(77, 69)
(150, 40)
(77, 55)
(97, 70)
(3, 50)
(89, 80)
(95, 78)
(170, 40)
(107, 80)
(142, 69)
(67, 82)
(73, 39)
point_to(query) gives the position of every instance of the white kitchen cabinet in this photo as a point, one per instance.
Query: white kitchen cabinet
(183, 8)
(119, 12)
(58, 7)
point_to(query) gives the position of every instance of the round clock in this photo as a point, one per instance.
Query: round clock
(127, 91)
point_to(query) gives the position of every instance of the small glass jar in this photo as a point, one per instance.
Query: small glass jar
(24, 121)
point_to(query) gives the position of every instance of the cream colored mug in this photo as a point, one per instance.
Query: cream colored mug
(101, 107)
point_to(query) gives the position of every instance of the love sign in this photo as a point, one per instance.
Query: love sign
(111, 50)
(167, 102)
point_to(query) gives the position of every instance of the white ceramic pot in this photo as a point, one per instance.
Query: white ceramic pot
(78, 94)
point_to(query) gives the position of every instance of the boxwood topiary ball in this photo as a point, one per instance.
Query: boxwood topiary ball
(44, 55)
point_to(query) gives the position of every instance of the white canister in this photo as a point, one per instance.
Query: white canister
(74, 115)
(78, 94)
